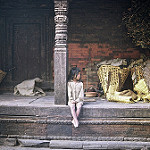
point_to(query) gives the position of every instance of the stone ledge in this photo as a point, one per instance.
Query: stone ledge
(64, 111)
(8, 141)
(22, 148)
(13, 139)
(115, 145)
(82, 121)
(33, 143)
(72, 144)
(89, 129)
(65, 144)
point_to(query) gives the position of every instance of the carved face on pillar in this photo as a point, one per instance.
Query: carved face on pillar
(60, 19)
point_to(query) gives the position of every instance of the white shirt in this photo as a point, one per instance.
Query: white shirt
(75, 91)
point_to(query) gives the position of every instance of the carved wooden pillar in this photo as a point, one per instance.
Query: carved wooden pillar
(60, 52)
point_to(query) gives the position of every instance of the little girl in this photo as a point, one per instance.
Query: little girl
(75, 94)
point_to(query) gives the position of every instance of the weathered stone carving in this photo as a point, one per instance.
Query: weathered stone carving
(61, 6)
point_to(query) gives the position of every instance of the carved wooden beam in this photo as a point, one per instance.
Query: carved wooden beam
(60, 51)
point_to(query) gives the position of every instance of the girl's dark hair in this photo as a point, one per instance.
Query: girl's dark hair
(73, 72)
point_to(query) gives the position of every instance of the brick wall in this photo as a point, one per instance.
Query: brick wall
(87, 56)
(95, 33)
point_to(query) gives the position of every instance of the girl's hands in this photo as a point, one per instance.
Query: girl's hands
(77, 100)
(73, 102)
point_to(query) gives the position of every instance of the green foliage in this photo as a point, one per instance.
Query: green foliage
(137, 21)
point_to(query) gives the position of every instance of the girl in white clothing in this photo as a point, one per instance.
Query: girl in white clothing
(75, 94)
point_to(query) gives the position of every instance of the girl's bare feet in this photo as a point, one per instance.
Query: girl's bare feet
(75, 123)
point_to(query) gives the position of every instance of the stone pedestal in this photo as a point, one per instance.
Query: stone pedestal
(60, 52)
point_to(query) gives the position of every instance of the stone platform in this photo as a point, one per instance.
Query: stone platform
(100, 120)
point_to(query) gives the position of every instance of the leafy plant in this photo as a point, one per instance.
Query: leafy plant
(137, 21)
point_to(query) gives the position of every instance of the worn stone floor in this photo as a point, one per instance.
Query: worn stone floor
(8, 99)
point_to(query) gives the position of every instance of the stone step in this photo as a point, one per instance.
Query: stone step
(33, 111)
(67, 120)
(33, 143)
(91, 145)
(89, 128)
(99, 120)
(25, 144)
(22, 148)
(88, 111)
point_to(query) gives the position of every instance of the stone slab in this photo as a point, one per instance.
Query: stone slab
(114, 145)
(44, 106)
(66, 144)
(35, 111)
(20, 148)
(87, 145)
(59, 130)
(24, 128)
(33, 143)
(10, 142)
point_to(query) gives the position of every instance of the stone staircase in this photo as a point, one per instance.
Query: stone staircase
(103, 125)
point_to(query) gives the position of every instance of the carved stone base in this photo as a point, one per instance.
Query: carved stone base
(58, 125)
